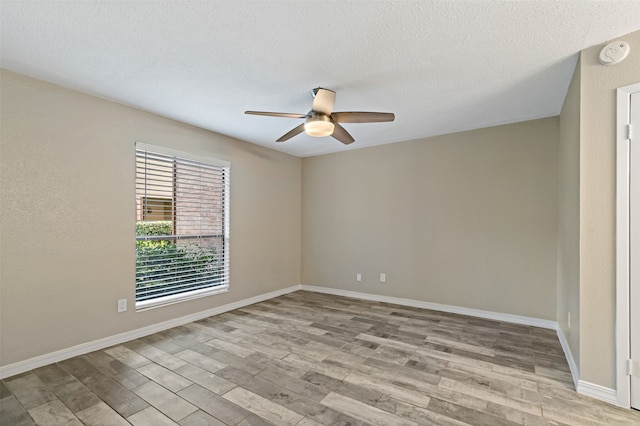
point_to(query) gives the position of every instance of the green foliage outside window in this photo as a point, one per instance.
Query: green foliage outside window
(155, 228)
(162, 263)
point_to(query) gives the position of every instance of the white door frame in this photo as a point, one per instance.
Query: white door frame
(623, 382)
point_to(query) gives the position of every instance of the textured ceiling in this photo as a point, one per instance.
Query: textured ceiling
(440, 66)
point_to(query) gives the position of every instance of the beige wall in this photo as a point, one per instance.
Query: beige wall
(598, 207)
(68, 215)
(568, 287)
(466, 219)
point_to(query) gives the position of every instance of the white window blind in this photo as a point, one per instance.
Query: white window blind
(182, 226)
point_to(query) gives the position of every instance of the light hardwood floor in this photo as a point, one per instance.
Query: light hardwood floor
(307, 359)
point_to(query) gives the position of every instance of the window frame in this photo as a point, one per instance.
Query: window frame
(226, 189)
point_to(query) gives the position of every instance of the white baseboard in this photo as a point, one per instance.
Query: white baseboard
(496, 316)
(83, 348)
(598, 392)
(573, 367)
(585, 388)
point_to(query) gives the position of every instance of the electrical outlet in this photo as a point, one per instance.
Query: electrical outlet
(122, 305)
(383, 277)
(358, 276)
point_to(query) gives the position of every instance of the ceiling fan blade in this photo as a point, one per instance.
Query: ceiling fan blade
(276, 114)
(362, 117)
(341, 134)
(291, 133)
(323, 100)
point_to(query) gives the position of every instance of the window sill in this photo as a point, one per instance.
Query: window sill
(159, 302)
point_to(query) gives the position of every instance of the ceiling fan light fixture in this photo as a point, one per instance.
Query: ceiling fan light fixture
(318, 125)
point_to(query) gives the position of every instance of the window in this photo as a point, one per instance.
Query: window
(182, 226)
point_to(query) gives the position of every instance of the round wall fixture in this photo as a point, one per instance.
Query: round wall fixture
(614, 53)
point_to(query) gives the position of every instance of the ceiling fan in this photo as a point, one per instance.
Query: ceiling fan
(322, 121)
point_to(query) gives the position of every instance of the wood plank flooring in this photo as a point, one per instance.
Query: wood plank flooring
(311, 359)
